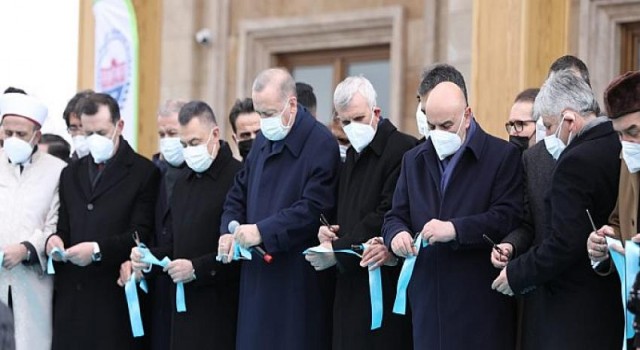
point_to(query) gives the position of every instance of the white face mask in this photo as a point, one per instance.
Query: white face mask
(631, 155)
(343, 152)
(540, 130)
(360, 135)
(446, 143)
(272, 127)
(80, 145)
(101, 147)
(554, 145)
(421, 120)
(171, 150)
(18, 150)
(198, 158)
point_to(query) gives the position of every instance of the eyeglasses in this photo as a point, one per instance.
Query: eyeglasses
(517, 125)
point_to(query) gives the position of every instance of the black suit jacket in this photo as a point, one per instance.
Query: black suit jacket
(538, 167)
(582, 310)
(90, 309)
(212, 298)
(367, 183)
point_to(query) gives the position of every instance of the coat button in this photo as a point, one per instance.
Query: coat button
(78, 287)
(212, 273)
(90, 206)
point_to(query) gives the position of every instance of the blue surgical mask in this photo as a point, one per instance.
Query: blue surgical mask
(272, 127)
(198, 157)
(171, 150)
(421, 120)
(631, 155)
(554, 144)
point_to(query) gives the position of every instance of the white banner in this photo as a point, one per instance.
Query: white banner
(116, 59)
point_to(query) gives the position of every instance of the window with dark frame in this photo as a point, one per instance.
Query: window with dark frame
(324, 69)
(630, 47)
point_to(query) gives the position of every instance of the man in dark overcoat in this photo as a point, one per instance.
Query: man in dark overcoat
(287, 181)
(104, 199)
(585, 178)
(454, 188)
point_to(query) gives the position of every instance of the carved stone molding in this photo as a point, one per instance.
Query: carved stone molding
(599, 43)
(261, 40)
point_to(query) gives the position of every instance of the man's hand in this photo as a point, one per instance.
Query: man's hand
(402, 245)
(181, 270)
(376, 254)
(500, 260)
(126, 269)
(248, 235)
(438, 231)
(136, 260)
(54, 242)
(327, 235)
(80, 254)
(14, 254)
(226, 245)
(597, 248)
(501, 283)
(322, 261)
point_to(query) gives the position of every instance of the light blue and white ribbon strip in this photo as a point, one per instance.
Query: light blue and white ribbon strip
(375, 283)
(149, 258)
(60, 253)
(400, 304)
(628, 267)
(241, 253)
(133, 304)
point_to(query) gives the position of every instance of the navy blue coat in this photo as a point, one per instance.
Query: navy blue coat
(452, 303)
(283, 187)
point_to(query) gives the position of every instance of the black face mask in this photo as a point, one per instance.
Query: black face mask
(522, 142)
(244, 147)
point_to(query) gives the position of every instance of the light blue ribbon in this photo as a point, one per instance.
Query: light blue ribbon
(134, 306)
(241, 253)
(1, 258)
(633, 267)
(375, 283)
(61, 254)
(400, 304)
(149, 258)
(627, 267)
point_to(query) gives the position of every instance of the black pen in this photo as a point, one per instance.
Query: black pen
(325, 222)
(493, 244)
(593, 225)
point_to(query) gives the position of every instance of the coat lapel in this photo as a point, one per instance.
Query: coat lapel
(82, 176)
(635, 177)
(116, 171)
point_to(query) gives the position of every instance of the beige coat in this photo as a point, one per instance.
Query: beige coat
(29, 212)
(625, 215)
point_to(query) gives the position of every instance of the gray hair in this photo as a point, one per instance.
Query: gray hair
(169, 107)
(564, 90)
(348, 88)
(280, 76)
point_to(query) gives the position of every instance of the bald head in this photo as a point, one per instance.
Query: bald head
(445, 108)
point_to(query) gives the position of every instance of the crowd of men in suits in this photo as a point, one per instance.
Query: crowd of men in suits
(312, 240)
